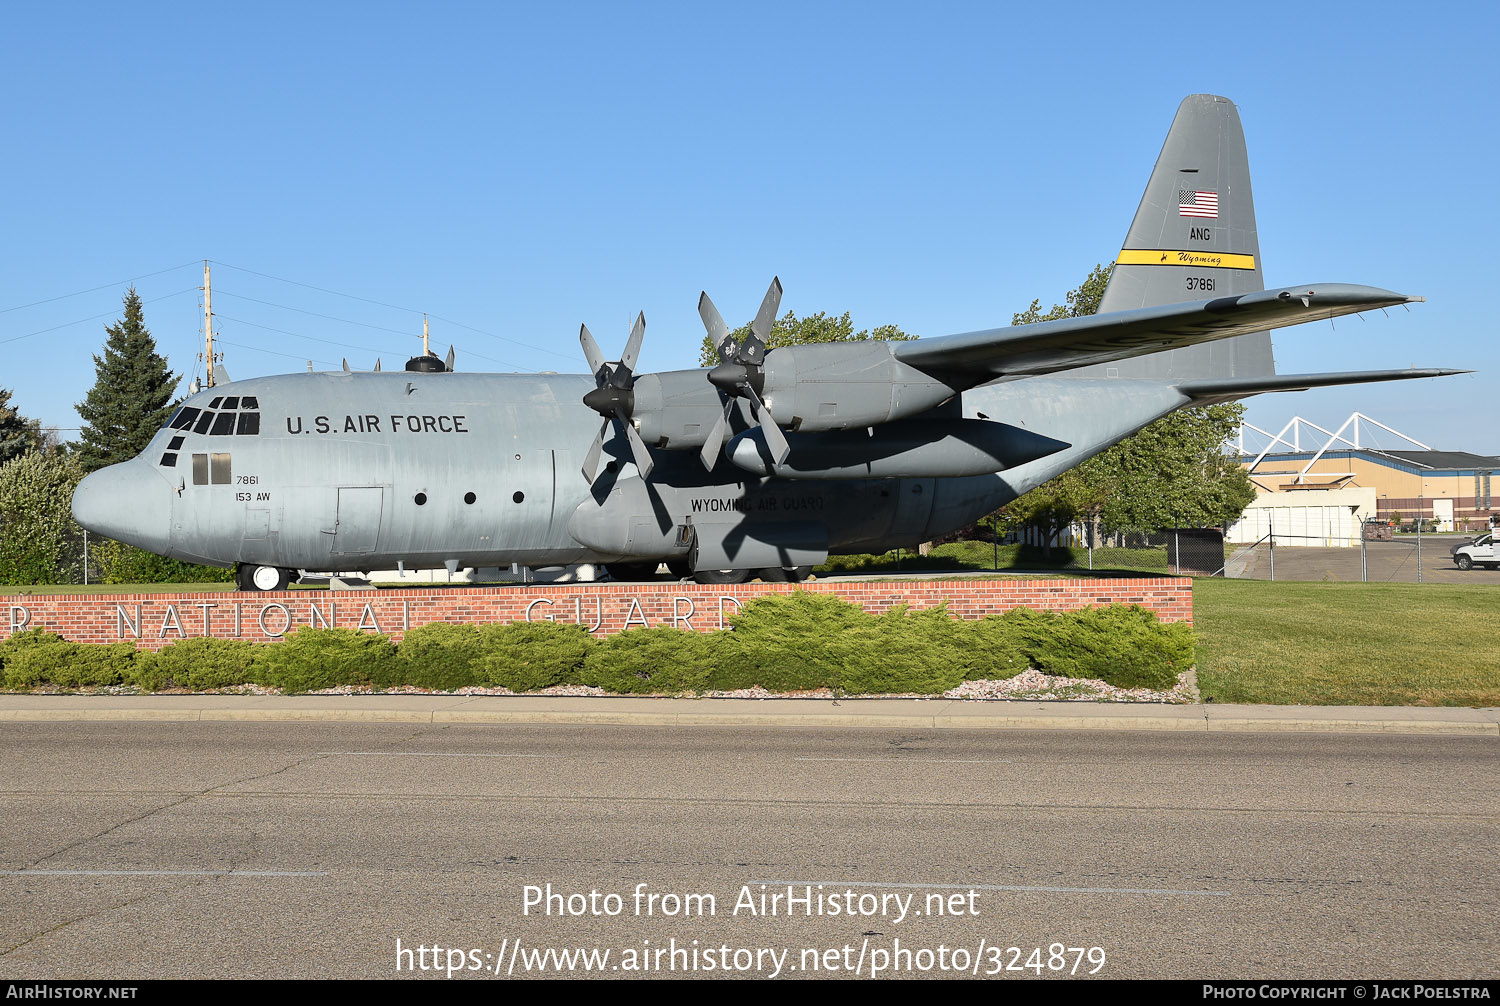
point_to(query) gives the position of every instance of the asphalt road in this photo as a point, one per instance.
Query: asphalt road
(308, 850)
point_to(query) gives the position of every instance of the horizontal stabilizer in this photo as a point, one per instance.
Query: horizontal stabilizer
(1226, 388)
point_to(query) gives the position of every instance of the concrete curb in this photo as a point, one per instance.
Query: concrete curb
(936, 714)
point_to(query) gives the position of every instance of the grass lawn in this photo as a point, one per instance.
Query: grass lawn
(1348, 643)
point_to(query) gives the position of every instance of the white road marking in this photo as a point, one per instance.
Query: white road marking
(163, 873)
(437, 754)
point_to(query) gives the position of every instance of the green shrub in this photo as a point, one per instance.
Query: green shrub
(528, 656)
(116, 562)
(310, 659)
(37, 657)
(440, 655)
(789, 642)
(1124, 645)
(652, 660)
(198, 664)
(903, 651)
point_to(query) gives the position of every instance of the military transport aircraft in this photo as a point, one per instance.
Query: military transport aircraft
(761, 466)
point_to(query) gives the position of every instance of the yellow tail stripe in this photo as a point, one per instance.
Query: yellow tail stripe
(1201, 259)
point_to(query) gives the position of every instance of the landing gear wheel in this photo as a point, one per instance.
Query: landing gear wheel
(679, 568)
(264, 578)
(785, 574)
(1464, 563)
(722, 575)
(632, 571)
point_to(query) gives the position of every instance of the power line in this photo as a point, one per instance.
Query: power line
(273, 352)
(94, 289)
(310, 338)
(315, 314)
(106, 314)
(395, 307)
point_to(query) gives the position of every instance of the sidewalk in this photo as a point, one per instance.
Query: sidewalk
(898, 713)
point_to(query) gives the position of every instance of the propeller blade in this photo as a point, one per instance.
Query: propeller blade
(591, 460)
(596, 359)
(718, 332)
(715, 442)
(632, 350)
(643, 461)
(765, 318)
(775, 439)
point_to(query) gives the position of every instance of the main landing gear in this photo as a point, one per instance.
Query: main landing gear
(250, 577)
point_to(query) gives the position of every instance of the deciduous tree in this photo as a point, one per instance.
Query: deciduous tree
(1173, 473)
(790, 330)
(39, 543)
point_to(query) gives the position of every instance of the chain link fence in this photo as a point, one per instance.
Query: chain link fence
(1371, 552)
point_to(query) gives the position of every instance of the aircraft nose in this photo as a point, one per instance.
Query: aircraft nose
(128, 502)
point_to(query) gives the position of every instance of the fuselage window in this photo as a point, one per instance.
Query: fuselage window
(200, 469)
(223, 424)
(249, 424)
(169, 460)
(219, 466)
(176, 443)
(204, 422)
(232, 403)
(184, 418)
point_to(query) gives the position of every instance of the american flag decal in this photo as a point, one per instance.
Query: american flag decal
(1197, 204)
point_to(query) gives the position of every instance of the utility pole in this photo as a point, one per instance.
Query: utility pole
(425, 350)
(208, 324)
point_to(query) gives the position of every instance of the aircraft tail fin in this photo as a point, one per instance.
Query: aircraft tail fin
(1194, 238)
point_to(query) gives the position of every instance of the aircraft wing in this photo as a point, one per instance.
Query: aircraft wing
(1046, 347)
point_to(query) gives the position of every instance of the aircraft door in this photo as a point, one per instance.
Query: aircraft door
(913, 507)
(357, 523)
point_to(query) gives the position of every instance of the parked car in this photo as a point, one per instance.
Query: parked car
(1475, 552)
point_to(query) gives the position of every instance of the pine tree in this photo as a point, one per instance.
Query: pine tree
(17, 433)
(132, 393)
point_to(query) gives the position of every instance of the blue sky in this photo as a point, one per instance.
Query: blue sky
(515, 170)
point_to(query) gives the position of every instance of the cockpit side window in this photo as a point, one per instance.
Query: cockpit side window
(183, 418)
(204, 421)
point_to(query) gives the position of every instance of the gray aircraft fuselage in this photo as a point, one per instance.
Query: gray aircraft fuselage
(360, 471)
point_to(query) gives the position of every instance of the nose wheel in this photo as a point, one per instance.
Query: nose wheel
(262, 578)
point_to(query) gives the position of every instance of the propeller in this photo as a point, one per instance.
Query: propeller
(741, 374)
(613, 396)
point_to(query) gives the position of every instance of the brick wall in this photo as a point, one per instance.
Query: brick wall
(154, 620)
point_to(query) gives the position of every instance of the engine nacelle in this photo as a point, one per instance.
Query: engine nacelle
(812, 388)
(845, 385)
(918, 448)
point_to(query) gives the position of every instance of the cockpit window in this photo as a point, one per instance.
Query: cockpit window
(229, 422)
